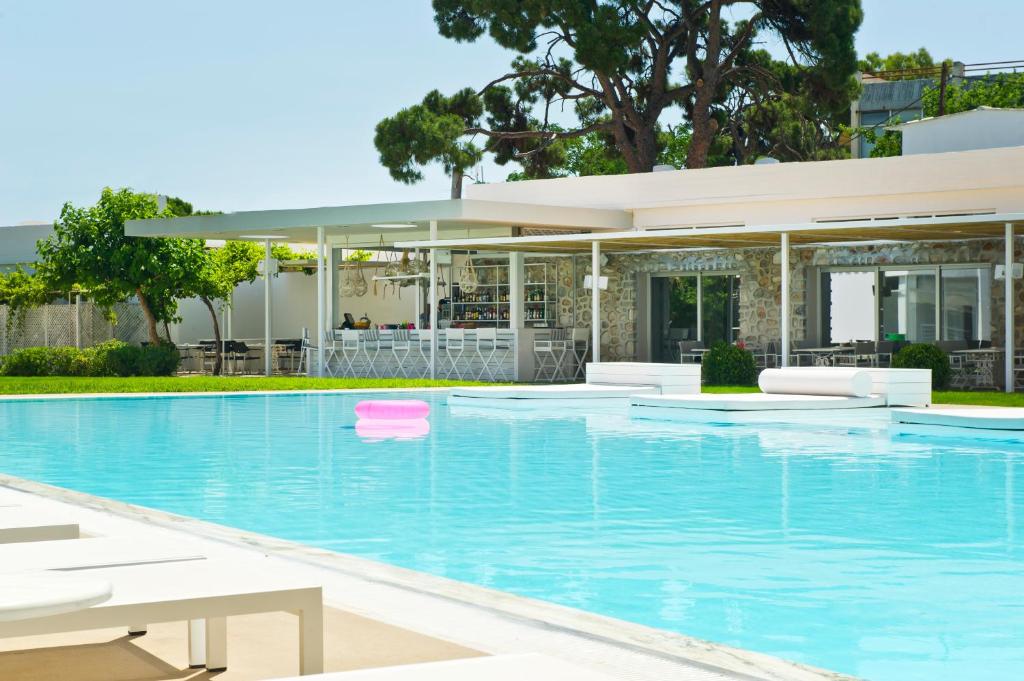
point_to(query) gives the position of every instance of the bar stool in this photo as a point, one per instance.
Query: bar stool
(550, 355)
(371, 343)
(484, 350)
(580, 351)
(349, 352)
(423, 341)
(401, 347)
(454, 349)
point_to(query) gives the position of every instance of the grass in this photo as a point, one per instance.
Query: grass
(45, 385)
(988, 399)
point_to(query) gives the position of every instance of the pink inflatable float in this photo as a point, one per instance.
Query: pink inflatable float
(392, 410)
(390, 429)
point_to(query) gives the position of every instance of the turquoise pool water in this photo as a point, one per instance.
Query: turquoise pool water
(889, 559)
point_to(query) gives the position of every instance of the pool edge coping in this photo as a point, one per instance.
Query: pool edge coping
(635, 637)
(44, 397)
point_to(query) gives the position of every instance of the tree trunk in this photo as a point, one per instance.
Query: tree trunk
(218, 362)
(154, 335)
(167, 332)
(457, 184)
(704, 129)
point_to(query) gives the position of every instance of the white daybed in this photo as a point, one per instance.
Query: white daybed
(806, 389)
(530, 666)
(90, 552)
(202, 592)
(614, 381)
(1005, 424)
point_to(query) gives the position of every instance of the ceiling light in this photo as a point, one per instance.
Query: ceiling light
(262, 237)
(394, 225)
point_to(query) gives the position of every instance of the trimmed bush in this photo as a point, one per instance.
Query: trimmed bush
(158, 360)
(112, 358)
(925, 356)
(726, 364)
(57, 361)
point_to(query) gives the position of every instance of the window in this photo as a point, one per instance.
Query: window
(907, 304)
(921, 304)
(966, 304)
(692, 307)
(848, 306)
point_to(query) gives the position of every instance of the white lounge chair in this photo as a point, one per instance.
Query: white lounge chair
(807, 389)
(89, 552)
(193, 591)
(532, 667)
(28, 524)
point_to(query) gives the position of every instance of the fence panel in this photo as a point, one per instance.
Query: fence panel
(82, 325)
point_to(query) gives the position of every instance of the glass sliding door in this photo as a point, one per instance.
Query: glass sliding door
(720, 303)
(966, 304)
(673, 315)
(907, 304)
(848, 307)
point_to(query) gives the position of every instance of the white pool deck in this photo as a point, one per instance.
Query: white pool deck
(486, 620)
(1005, 424)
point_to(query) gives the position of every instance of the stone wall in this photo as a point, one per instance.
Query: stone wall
(760, 281)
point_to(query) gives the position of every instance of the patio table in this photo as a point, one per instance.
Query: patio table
(824, 356)
(975, 368)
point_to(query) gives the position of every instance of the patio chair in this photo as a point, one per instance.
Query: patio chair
(202, 592)
(348, 353)
(370, 346)
(424, 337)
(797, 358)
(454, 348)
(401, 348)
(580, 340)
(883, 353)
(550, 355)
(864, 355)
(687, 354)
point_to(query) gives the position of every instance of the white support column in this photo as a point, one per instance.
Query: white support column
(433, 302)
(1009, 332)
(515, 289)
(784, 317)
(700, 308)
(595, 300)
(418, 303)
(268, 324)
(321, 302)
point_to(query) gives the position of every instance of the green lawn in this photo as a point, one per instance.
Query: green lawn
(10, 385)
(990, 399)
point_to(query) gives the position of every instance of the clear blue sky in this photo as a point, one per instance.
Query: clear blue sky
(238, 105)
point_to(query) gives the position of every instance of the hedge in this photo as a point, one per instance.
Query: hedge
(925, 356)
(112, 358)
(726, 364)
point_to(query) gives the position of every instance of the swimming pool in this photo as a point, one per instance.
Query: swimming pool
(887, 559)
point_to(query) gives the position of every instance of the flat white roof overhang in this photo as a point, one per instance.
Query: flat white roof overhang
(365, 225)
(943, 228)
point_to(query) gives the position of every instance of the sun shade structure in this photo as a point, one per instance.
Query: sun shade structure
(366, 225)
(942, 228)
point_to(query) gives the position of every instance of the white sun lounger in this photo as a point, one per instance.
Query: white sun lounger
(209, 590)
(27, 524)
(990, 423)
(87, 553)
(531, 667)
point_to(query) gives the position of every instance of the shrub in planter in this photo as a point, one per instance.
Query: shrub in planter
(57, 361)
(925, 356)
(726, 364)
(158, 360)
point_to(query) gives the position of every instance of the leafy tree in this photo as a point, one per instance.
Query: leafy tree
(616, 67)
(89, 248)
(890, 66)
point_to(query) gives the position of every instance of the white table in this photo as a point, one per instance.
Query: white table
(824, 356)
(29, 595)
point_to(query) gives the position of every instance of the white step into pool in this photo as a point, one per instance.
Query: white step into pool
(608, 381)
(989, 423)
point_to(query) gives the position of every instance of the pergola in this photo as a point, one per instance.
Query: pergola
(371, 226)
(844, 232)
